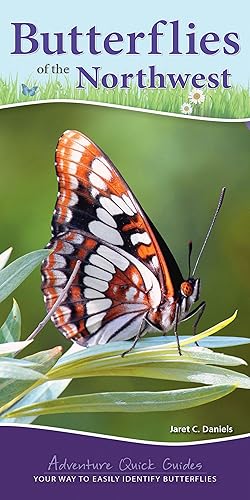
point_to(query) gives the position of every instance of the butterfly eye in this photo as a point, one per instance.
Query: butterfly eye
(187, 288)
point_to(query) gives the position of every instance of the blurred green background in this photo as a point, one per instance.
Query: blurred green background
(176, 167)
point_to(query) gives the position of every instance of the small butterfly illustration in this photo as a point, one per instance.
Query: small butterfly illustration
(28, 91)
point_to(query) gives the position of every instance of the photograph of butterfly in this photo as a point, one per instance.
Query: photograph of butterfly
(129, 190)
(30, 92)
(128, 283)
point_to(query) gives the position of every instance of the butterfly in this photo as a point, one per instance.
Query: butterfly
(128, 282)
(28, 91)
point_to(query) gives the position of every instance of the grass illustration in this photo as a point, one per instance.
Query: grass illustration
(218, 103)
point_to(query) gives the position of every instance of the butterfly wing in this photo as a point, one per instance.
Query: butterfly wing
(99, 221)
(32, 91)
(25, 89)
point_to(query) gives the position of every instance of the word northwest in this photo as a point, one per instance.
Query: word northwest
(165, 38)
(125, 464)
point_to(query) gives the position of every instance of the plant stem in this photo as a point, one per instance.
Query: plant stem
(57, 304)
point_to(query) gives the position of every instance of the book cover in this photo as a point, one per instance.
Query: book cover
(124, 288)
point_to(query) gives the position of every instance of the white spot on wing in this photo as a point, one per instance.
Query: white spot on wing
(110, 206)
(60, 261)
(135, 278)
(114, 257)
(131, 293)
(66, 249)
(75, 156)
(105, 217)
(129, 202)
(95, 283)
(89, 293)
(68, 215)
(73, 182)
(106, 233)
(94, 192)
(73, 199)
(59, 278)
(77, 238)
(121, 203)
(56, 292)
(72, 168)
(96, 272)
(95, 306)
(99, 261)
(94, 322)
(80, 139)
(140, 238)
(99, 168)
(96, 181)
(155, 261)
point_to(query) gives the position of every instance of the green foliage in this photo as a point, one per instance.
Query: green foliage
(219, 103)
(10, 331)
(13, 347)
(16, 272)
(32, 385)
(17, 376)
(129, 401)
(4, 257)
(18, 369)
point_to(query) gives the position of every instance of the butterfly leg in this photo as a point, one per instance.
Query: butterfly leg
(200, 313)
(176, 329)
(200, 310)
(138, 336)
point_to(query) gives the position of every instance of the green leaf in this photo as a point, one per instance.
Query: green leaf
(45, 359)
(18, 369)
(92, 360)
(4, 257)
(182, 372)
(13, 347)
(206, 333)
(44, 392)
(178, 370)
(213, 342)
(16, 272)
(41, 362)
(145, 348)
(127, 401)
(195, 365)
(10, 331)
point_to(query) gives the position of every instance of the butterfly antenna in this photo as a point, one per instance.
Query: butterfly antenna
(190, 248)
(221, 198)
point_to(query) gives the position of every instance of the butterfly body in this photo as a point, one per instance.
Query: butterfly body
(128, 280)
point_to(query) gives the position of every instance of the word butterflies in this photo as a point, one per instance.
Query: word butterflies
(128, 282)
(28, 91)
